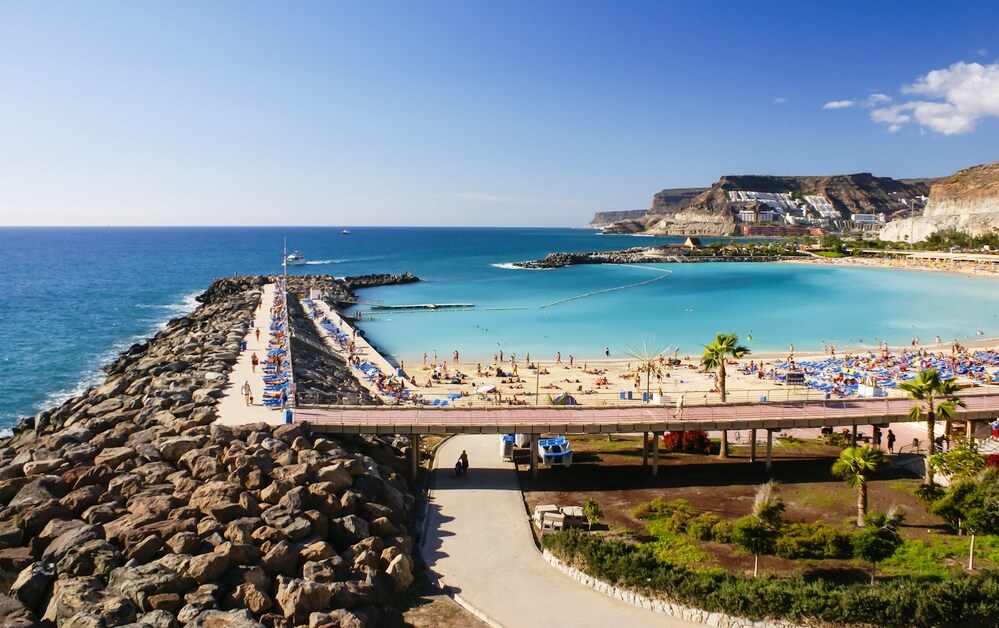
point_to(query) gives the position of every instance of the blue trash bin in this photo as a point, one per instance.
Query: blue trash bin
(763, 398)
(645, 397)
(287, 415)
(621, 394)
(827, 396)
(629, 395)
(242, 346)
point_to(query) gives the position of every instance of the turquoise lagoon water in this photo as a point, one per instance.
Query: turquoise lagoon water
(74, 298)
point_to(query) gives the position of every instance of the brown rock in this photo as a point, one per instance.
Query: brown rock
(280, 560)
(101, 474)
(39, 467)
(184, 543)
(401, 571)
(169, 602)
(15, 558)
(317, 551)
(299, 598)
(82, 498)
(250, 597)
(146, 549)
(114, 456)
(206, 567)
(71, 596)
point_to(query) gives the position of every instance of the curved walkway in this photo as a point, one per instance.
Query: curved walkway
(478, 541)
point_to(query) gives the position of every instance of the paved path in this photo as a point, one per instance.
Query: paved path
(232, 408)
(479, 542)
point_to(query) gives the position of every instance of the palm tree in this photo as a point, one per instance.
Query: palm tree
(880, 538)
(937, 396)
(854, 465)
(715, 354)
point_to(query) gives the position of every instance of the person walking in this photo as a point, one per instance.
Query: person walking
(891, 441)
(463, 459)
(679, 408)
(254, 361)
(245, 389)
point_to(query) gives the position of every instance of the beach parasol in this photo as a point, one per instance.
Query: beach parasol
(485, 389)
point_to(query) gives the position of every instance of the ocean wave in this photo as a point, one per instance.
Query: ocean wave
(95, 376)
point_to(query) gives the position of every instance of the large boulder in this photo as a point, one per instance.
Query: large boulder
(32, 584)
(93, 558)
(300, 598)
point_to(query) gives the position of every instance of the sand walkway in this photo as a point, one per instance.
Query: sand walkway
(479, 542)
(232, 407)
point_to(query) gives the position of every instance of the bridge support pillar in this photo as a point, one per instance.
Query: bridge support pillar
(770, 448)
(969, 429)
(645, 449)
(752, 445)
(534, 456)
(854, 442)
(414, 454)
(655, 453)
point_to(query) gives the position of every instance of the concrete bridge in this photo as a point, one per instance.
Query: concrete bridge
(655, 420)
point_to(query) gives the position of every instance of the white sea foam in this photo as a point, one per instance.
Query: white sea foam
(95, 375)
(513, 266)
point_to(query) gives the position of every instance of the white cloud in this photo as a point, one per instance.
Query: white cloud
(780, 100)
(982, 52)
(877, 99)
(955, 100)
(838, 104)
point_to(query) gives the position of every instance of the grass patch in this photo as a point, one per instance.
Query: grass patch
(827, 500)
(674, 548)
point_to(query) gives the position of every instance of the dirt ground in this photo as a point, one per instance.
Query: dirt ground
(611, 472)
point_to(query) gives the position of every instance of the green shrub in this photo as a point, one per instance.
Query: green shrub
(700, 527)
(965, 600)
(673, 515)
(722, 531)
(836, 439)
(813, 540)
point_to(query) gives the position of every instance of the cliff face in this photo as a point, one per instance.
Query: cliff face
(709, 212)
(665, 200)
(967, 201)
(603, 219)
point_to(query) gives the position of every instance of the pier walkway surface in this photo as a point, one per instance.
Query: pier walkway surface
(232, 407)
(479, 543)
(584, 420)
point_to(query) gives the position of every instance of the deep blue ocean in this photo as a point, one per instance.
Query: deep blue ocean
(73, 298)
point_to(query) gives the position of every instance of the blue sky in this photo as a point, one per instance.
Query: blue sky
(470, 113)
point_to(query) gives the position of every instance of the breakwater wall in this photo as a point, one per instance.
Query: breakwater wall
(642, 255)
(129, 503)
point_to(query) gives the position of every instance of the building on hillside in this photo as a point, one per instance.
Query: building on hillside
(785, 231)
(693, 242)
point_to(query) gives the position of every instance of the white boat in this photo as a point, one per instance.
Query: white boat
(295, 259)
(345, 232)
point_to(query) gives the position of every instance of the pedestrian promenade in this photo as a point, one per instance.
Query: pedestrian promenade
(478, 541)
(232, 407)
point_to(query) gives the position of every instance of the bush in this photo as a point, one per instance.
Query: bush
(992, 461)
(963, 600)
(836, 439)
(679, 509)
(813, 540)
(722, 531)
(687, 442)
(701, 526)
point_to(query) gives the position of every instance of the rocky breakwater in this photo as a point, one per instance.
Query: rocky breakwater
(637, 255)
(130, 505)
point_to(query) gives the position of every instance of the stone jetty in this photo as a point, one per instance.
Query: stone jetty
(129, 504)
(643, 255)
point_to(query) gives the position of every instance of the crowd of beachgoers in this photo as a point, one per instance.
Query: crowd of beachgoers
(941, 263)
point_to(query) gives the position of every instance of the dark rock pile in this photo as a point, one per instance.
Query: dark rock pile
(130, 505)
(321, 377)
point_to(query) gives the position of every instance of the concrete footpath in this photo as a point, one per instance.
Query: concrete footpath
(232, 407)
(478, 541)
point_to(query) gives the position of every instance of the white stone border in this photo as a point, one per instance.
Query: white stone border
(686, 613)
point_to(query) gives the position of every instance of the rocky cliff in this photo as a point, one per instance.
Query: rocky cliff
(710, 212)
(967, 201)
(665, 200)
